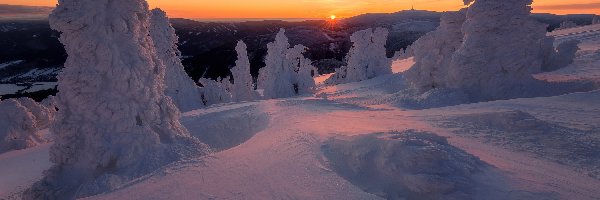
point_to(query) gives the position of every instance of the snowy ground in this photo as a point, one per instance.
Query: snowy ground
(534, 148)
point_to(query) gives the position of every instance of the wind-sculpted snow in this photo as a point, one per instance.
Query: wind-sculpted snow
(19, 122)
(243, 86)
(287, 72)
(179, 86)
(114, 122)
(366, 59)
(405, 165)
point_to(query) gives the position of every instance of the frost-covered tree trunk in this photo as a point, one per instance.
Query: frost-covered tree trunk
(287, 72)
(243, 87)
(179, 86)
(215, 91)
(366, 59)
(114, 122)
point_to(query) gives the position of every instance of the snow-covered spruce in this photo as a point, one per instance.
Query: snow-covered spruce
(403, 53)
(405, 165)
(243, 86)
(366, 59)
(215, 91)
(287, 72)
(114, 122)
(20, 119)
(567, 25)
(491, 56)
(596, 20)
(179, 86)
(433, 52)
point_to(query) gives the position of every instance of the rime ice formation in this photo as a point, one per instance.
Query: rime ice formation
(490, 51)
(366, 59)
(114, 122)
(287, 72)
(433, 52)
(243, 87)
(564, 56)
(19, 122)
(403, 53)
(44, 115)
(215, 91)
(179, 86)
(567, 25)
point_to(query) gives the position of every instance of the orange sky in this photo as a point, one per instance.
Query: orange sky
(321, 8)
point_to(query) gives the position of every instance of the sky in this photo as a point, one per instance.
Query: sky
(322, 8)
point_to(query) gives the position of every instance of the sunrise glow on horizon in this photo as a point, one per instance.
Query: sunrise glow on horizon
(323, 8)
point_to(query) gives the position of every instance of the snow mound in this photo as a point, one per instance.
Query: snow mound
(404, 165)
(115, 122)
(226, 129)
(20, 121)
(515, 129)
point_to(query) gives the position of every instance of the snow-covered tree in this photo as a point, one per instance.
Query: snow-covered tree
(19, 124)
(366, 59)
(403, 53)
(287, 72)
(243, 86)
(179, 86)
(215, 91)
(567, 25)
(596, 20)
(489, 51)
(114, 122)
(433, 52)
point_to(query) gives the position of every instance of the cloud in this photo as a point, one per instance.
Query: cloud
(17, 11)
(569, 6)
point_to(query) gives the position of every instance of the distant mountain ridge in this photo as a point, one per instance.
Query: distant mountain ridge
(8, 12)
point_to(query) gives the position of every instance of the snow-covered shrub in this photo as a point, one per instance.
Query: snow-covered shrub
(564, 56)
(287, 72)
(404, 165)
(489, 50)
(403, 53)
(596, 20)
(179, 86)
(243, 86)
(366, 59)
(215, 91)
(115, 122)
(44, 116)
(19, 124)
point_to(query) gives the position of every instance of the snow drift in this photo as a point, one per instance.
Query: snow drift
(404, 165)
(179, 86)
(114, 122)
(366, 59)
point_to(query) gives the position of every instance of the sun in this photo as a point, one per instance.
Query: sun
(332, 17)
